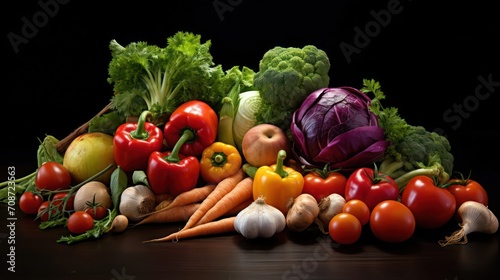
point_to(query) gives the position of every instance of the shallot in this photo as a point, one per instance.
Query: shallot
(302, 212)
(329, 206)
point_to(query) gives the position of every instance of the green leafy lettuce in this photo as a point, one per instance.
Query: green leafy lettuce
(159, 79)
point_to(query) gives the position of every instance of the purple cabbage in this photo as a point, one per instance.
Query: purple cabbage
(336, 126)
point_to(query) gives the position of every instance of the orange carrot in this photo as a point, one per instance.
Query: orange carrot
(238, 208)
(187, 197)
(180, 213)
(241, 192)
(164, 203)
(221, 189)
(221, 226)
(162, 197)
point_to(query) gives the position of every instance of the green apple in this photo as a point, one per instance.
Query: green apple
(89, 154)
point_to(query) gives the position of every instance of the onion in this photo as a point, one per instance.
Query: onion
(329, 206)
(86, 193)
(302, 212)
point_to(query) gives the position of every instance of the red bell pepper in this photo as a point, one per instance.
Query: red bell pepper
(199, 119)
(370, 186)
(172, 172)
(134, 142)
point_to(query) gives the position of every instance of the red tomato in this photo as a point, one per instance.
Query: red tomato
(391, 221)
(29, 202)
(97, 212)
(58, 198)
(52, 176)
(466, 189)
(359, 209)
(432, 206)
(364, 184)
(322, 183)
(344, 228)
(80, 222)
(43, 211)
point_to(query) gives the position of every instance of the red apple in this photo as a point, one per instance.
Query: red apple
(261, 144)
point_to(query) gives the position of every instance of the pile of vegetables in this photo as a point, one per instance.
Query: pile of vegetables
(177, 135)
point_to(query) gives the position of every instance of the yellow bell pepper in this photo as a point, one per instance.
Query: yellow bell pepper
(278, 184)
(219, 161)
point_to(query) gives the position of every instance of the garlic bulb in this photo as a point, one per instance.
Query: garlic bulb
(136, 202)
(328, 207)
(259, 219)
(475, 218)
(302, 212)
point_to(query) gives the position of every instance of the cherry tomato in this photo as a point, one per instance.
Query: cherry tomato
(466, 189)
(370, 187)
(97, 212)
(391, 221)
(321, 183)
(359, 209)
(29, 202)
(43, 211)
(52, 176)
(344, 228)
(431, 205)
(59, 197)
(80, 222)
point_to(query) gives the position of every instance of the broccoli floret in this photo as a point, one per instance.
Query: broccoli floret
(418, 144)
(405, 159)
(413, 150)
(285, 78)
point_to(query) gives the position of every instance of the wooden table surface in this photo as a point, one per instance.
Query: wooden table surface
(307, 255)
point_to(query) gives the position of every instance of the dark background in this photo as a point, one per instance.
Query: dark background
(427, 56)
